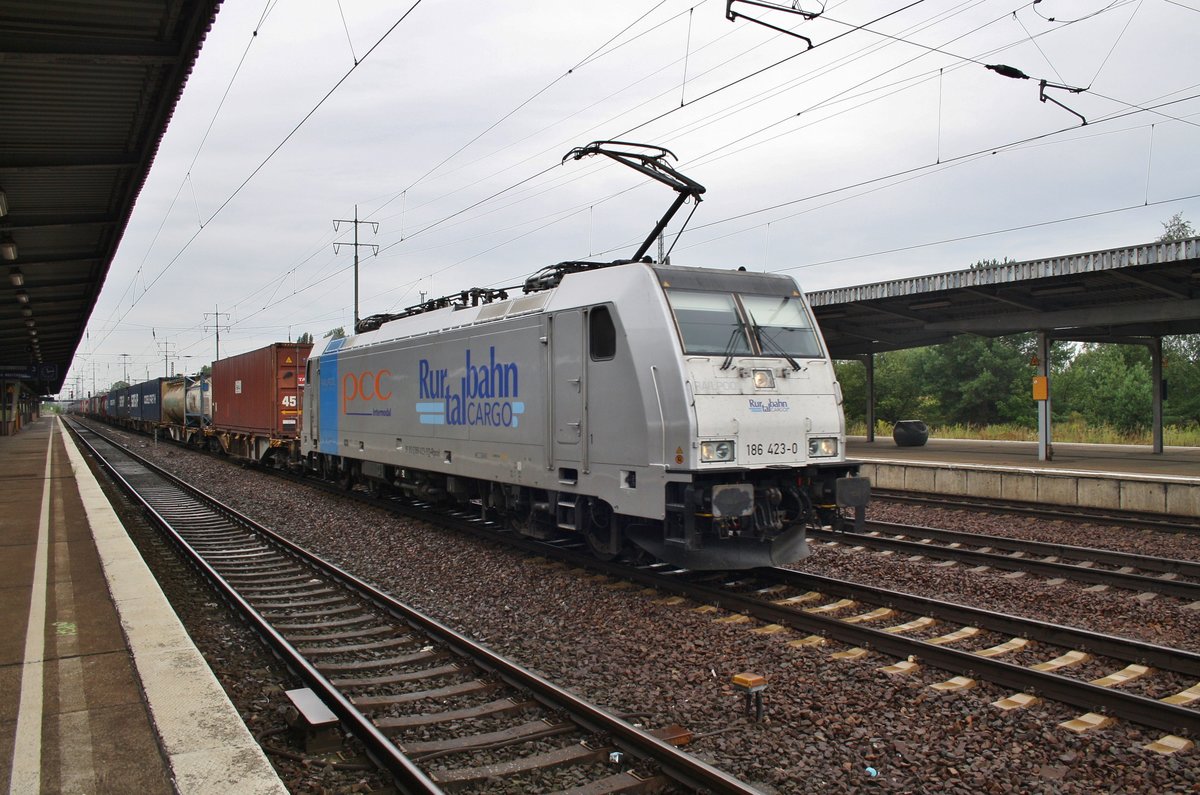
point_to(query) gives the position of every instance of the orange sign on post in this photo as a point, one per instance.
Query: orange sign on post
(1041, 387)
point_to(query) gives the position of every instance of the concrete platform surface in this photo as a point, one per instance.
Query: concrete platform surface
(101, 690)
(1180, 462)
(1115, 477)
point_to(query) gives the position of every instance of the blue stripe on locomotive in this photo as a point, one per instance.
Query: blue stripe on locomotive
(329, 397)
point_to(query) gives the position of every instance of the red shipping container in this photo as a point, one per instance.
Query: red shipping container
(260, 392)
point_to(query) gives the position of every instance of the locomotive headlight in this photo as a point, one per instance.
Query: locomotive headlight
(822, 447)
(764, 379)
(711, 452)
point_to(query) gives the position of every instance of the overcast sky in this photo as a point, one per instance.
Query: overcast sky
(888, 150)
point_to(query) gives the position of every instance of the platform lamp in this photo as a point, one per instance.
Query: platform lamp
(8, 248)
(3, 203)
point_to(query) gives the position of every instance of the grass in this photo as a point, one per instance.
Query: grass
(1070, 431)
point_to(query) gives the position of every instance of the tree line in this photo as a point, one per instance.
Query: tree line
(980, 381)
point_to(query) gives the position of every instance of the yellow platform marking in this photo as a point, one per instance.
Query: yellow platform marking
(874, 615)
(809, 642)
(957, 683)
(902, 667)
(1169, 744)
(811, 596)
(1017, 701)
(706, 609)
(1009, 646)
(1063, 661)
(736, 618)
(955, 637)
(850, 654)
(1127, 674)
(1086, 723)
(1184, 697)
(769, 629)
(832, 607)
(910, 626)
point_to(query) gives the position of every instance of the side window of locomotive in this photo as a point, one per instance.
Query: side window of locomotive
(782, 326)
(602, 334)
(708, 323)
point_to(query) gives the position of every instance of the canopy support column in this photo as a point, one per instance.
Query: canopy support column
(869, 363)
(1156, 391)
(1045, 448)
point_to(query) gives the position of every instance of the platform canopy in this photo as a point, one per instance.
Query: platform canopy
(1137, 295)
(1151, 290)
(86, 91)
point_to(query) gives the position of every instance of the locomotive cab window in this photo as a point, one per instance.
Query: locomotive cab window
(737, 324)
(602, 334)
(781, 326)
(709, 323)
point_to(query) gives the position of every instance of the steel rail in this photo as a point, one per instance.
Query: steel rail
(1138, 709)
(1135, 582)
(1164, 522)
(680, 766)
(1128, 706)
(1185, 568)
(1087, 696)
(385, 753)
(1119, 648)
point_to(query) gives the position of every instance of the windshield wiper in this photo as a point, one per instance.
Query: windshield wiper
(770, 344)
(729, 347)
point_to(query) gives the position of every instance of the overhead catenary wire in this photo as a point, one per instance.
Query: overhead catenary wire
(598, 52)
(460, 212)
(507, 189)
(275, 283)
(268, 158)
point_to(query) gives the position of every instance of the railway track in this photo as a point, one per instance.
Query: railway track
(1073, 666)
(1141, 573)
(1164, 522)
(1077, 667)
(1033, 659)
(432, 707)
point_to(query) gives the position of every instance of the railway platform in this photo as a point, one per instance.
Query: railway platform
(1102, 476)
(101, 689)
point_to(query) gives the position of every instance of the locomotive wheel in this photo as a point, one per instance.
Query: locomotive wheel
(598, 540)
(520, 518)
(600, 531)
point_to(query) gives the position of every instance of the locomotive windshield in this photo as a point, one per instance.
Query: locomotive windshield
(709, 323)
(781, 326)
(727, 324)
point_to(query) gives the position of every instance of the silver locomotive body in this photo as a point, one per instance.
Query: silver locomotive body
(689, 413)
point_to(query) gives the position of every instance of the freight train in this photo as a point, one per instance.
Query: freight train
(691, 415)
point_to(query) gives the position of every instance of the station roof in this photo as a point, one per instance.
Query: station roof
(1150, 290)
(86, 91)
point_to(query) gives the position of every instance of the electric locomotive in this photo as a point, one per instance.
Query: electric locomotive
(688, 414)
